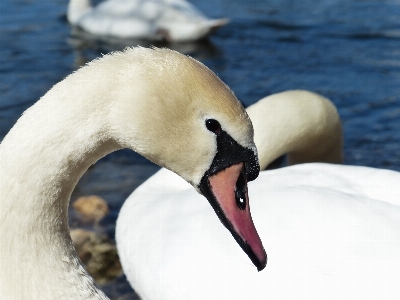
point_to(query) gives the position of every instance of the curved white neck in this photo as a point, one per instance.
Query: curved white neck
(301, 124)
(42, 158)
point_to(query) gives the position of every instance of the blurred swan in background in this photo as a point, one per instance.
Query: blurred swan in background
(331, 231)
(171, 20)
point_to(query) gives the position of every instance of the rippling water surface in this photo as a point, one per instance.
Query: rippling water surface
(347, 50)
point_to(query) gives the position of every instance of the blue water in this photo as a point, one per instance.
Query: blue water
(347, 50)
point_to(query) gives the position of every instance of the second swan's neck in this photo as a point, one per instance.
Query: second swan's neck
(301, 124)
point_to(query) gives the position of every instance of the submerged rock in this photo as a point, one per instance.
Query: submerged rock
(98, 253)
(91, 208)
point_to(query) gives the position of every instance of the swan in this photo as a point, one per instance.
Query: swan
(331, 231)
(172, 20)
(162, 104)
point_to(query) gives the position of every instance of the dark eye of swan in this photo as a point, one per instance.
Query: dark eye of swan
(213, 126)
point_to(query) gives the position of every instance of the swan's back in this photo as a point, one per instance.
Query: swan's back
(329, 230)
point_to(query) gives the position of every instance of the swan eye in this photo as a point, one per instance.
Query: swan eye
(213, 126)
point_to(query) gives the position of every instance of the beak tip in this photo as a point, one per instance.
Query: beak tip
(262, 265)
(260, 260)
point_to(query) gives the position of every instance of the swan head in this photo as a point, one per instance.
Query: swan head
(177, 113)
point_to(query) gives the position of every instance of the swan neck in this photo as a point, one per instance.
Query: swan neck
(303, 125)
(41, 161)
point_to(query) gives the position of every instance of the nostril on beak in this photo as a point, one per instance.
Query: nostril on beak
(241, 191)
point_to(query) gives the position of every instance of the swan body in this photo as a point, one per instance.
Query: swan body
(331, 231)
(103, 107)
(173, 20)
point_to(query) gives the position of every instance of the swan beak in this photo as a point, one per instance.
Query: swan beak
(227, 194)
